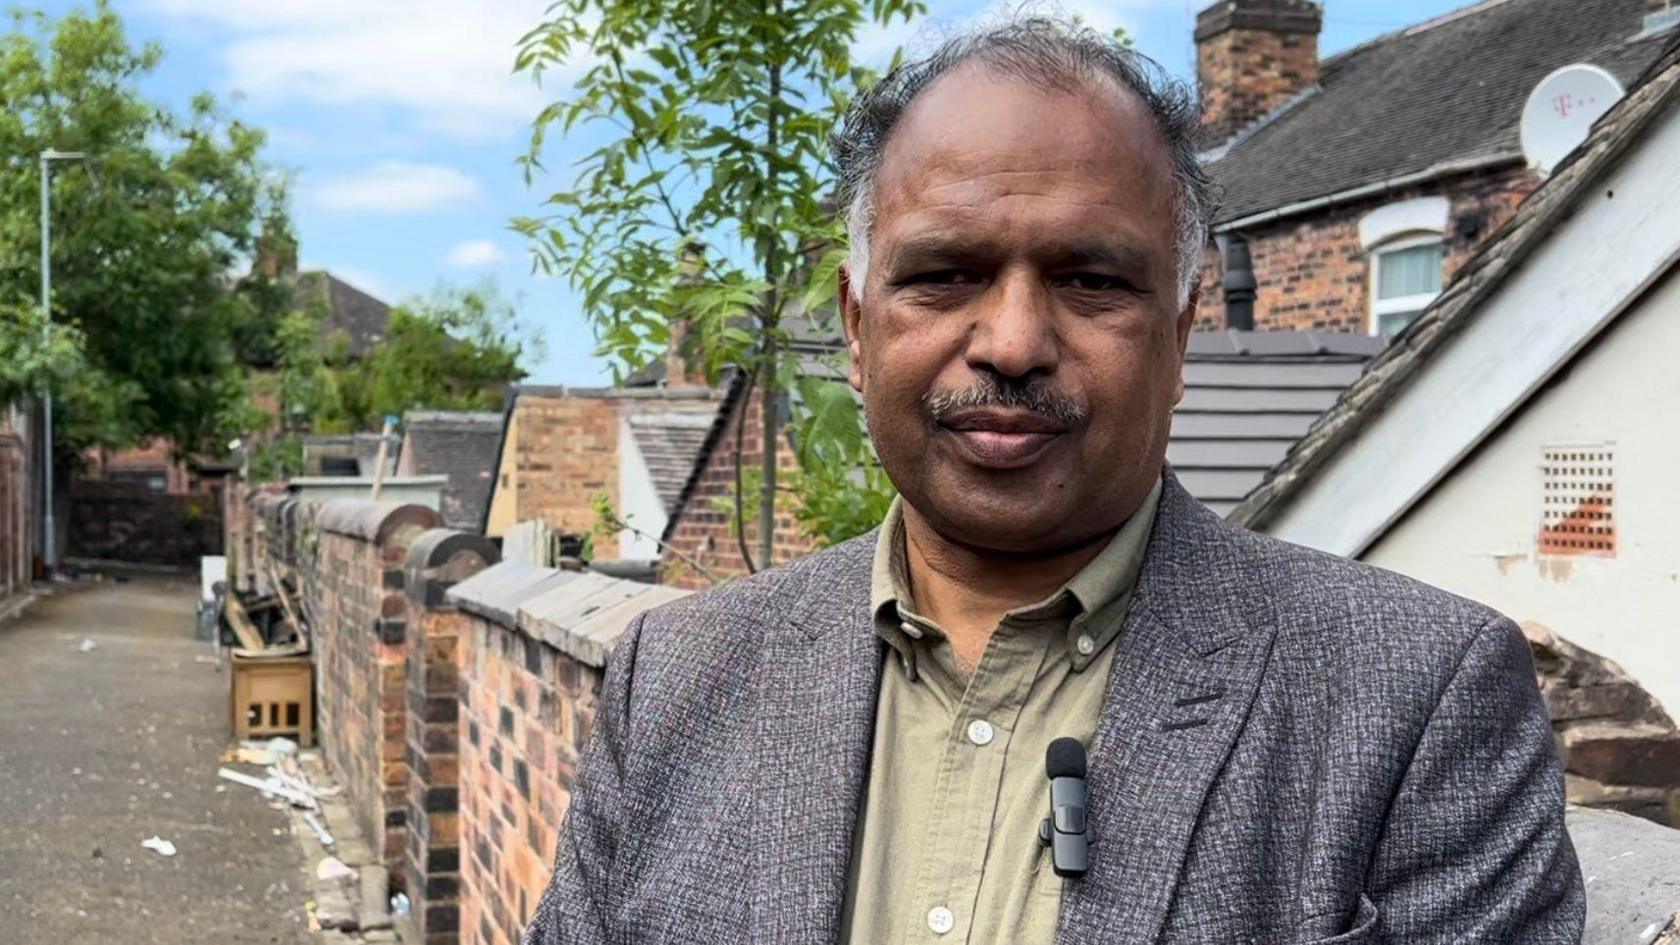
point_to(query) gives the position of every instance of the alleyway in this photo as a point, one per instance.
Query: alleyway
(100, 750)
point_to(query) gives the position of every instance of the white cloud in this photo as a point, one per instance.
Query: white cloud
(474, 254)
(394, 187)
(448, 63)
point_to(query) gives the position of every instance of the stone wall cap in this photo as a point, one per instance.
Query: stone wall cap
(1632, 870)
(496, 592)
(373, 521)
(585, 618)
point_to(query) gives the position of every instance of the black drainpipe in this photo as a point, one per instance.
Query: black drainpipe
(1239, 284)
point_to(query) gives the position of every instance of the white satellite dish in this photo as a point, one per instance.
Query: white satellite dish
(1561, 111)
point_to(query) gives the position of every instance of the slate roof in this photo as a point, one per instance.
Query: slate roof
(460, 445)
(1651, 97)
(1248, 396)
(670, 443)
(363, 318)
(1444, 93)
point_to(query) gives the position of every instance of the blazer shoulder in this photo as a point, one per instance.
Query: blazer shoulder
(737, 618)
(1360, 604)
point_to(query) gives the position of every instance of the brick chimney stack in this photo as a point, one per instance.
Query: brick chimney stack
(1251, 57)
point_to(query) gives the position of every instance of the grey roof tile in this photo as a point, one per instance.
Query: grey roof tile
(460, 445)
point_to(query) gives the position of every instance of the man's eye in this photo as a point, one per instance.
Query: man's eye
(945, 277)
(1091, 282)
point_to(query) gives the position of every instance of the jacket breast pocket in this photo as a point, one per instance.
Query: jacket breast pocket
(1362, 932)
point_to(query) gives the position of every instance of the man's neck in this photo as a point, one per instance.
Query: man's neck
(967, 590)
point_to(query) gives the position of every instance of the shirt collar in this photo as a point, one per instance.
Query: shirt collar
(1098, 594)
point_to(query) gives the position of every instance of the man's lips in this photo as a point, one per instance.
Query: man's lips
(998, 439)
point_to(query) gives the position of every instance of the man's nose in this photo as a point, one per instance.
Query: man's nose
(1014, 329)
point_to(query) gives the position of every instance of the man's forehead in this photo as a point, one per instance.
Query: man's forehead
(980, 125)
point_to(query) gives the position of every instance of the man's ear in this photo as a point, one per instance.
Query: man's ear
(851, 319)
(1186, 321)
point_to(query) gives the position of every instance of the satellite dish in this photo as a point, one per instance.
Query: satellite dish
(1561, 111)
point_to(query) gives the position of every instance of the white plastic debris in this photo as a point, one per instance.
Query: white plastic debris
(399, 904)
(159, 844)
(332, 868)
(320, 829)
(88, 645)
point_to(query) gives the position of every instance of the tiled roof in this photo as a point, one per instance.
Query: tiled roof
(670, 443)
(1651, 99)
(460, 445)
(1445, 93)
(363, 319)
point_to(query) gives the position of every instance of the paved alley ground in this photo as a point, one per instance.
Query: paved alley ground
(100, 750)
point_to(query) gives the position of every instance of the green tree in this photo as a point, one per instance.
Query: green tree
(458, 350)
(705, 206)
(145, 233)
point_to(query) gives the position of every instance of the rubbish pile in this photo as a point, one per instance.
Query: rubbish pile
(272, 667)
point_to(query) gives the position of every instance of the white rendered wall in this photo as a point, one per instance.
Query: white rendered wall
(639, 501)
(1476, 533)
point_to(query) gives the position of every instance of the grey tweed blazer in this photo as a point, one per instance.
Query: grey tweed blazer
(1294, 749)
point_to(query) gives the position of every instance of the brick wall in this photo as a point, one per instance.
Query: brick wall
(533, 658)
(354, 574)
(1313, 273)
(704, 531)
(127, 521)
(16, 522)
(437, 560)
(1251, 57)
(565, 452)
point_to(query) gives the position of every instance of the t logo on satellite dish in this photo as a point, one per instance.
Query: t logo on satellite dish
(1561, 111)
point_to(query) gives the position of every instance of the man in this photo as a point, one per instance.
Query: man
(1284, 747)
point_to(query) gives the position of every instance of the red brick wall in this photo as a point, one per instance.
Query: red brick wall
(1312, 272)
(527, 709)
(356, 578)
(1251, 57)
(704, 532)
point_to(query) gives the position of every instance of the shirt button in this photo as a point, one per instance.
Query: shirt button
(940, 920)
(1085, 645)
(980, 732)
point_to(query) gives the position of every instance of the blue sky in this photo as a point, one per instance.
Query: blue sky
(400, 121)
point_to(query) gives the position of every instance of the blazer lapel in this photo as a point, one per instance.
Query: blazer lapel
(819, 686)
(1185, 672)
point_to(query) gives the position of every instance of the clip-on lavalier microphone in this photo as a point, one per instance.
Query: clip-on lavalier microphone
(1067, 831)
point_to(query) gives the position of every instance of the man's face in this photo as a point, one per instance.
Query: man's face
(1019, 342)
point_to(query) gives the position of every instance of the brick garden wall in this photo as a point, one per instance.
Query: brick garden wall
(704, 531)
(1313, 274)
(355, 576)
(127, 521)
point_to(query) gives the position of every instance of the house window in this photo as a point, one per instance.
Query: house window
(1405, 278)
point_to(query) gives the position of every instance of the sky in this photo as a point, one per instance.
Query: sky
(400, 121)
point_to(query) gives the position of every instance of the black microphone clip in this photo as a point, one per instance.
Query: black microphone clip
(1067, 831)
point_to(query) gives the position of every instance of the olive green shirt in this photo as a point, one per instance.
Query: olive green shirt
(946, 847)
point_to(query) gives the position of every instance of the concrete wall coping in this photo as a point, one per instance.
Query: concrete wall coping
(1632, 869)
(579, 613)
(496, 592)
(442, 557)
(373, 521)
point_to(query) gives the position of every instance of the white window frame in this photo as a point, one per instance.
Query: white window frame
(1404, 303)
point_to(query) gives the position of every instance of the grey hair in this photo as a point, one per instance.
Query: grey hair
(1053, 52)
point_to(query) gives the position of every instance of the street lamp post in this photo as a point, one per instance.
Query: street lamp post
(49, 551)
